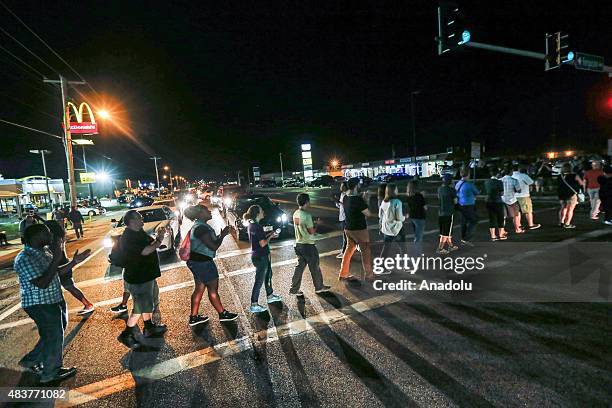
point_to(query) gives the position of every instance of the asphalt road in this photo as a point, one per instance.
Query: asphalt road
(357, 346)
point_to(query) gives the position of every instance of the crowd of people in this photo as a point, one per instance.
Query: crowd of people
(43, 267)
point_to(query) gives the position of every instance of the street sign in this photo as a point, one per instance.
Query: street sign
(589, 62)
(475, 150)
(87, 178)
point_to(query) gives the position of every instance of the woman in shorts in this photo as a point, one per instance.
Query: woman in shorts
(568, 186)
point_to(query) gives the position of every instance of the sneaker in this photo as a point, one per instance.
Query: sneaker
(154, 330)
(119, 309)
(257, 308)
(493, 239)
(453, 248)
(62, 374)
(298, 293)
(608, 222)
(199, 319)
(128, 340)
(226, 316)
(443, 251)
(569, 226)
(466, 243)
(534, 226)
(324, 289)
(35, 368)
(86, 310)
(340, 255)
(383, 272)
(274, 298)
(503, 237)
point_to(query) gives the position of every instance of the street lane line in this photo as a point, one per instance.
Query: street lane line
(123, 382)
(10, 311)
(96, 252)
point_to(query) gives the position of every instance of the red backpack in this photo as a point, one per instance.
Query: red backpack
(185, 247)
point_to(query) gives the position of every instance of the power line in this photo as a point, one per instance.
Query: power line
(28, 50)
(23, 62)
(29, 128)
(46, 45)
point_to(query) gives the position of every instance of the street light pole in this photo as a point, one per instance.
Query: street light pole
(155, 158)
(280, 156)
(414, 146)
(67, 137)
(86, 170)
(42, 155)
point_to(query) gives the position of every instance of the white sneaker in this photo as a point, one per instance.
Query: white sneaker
(608, 222)
(257, 308)
(384, 272)
(340, 255)
(274, 298)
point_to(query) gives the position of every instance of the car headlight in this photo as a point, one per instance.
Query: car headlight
(284, 217)
(108, 243)
(227, 201)
(183, 205)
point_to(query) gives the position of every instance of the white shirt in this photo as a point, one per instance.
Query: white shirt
(341, 215)
(390, 217)
(524, 182)
(511, 186)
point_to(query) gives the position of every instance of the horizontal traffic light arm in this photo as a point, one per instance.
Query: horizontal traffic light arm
(506, 50)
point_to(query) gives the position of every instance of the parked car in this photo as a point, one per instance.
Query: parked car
(293, 183)
(323, 181)
(91, 210)
(26, 208)
(275, 217)
(267, 184)
(153, 217)
(141, 201)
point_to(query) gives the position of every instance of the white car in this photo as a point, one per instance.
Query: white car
(90, 210)
(153, 216)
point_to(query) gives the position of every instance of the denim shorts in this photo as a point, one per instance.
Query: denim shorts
(203, 272)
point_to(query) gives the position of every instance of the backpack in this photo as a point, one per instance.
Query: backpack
(117, 256)
(185, 247)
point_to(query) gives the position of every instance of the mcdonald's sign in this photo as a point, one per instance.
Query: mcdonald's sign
(81, 126)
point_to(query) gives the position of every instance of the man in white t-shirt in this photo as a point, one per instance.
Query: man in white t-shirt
(511, 187)
(523, 197)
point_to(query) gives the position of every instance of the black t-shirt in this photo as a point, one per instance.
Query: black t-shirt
(138, 268)
(416, 206)
(353, 207)
(564, 191)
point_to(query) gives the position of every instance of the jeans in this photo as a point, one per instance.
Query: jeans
(263, 275)
(468, 221)
(393, 241)
(307, 255)
(344, 239)
(594, 199)
(51, 321)
(78, 228)
(419, 229)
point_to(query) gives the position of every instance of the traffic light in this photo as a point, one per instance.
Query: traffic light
(557, 50)
(452, 30)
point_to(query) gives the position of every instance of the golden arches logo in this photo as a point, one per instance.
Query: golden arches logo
(78, 113)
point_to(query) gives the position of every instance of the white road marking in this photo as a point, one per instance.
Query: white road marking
(10, 311)
(94, 391)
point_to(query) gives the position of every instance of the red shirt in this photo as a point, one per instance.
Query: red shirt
(590, 177)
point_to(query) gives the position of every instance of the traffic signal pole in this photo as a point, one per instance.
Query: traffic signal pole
(506, 50)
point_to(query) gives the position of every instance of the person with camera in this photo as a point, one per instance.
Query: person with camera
(204, 243)
(140, 273)
(260, 256)
(39, 267)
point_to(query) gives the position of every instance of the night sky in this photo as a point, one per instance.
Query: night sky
(214, 89)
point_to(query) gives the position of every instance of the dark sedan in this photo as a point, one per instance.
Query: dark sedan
(141, 202)
(274, 218)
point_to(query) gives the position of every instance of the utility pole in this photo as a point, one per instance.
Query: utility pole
(280, 156)
(155, 158)
(239, 184)
(42, 155)
(86, 171)
(414, 148)
(67, 137)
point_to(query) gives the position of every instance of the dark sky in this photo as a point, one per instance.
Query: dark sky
(214, 89)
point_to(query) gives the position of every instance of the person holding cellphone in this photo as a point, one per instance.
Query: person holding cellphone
(260, 256)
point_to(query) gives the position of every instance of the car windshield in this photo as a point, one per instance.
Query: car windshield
(152, 215)
(243, 203)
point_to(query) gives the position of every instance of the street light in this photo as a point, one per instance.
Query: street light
(42, 155)
(104, 114)
(167, 168)
(334, 163)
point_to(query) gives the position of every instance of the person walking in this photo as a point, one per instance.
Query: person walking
(260, 256)
(38, 270)
(356, 210)
(568, 185)
(417, 210)
(60, 216)
(511, 187)
(605, 194)
(391, 220)
(466, 194)
(447, 196)
(204, 243)
(523, 196)
(66, 280)
(494, 189)
(305, 248)
(31, 218)
(76, 218)
(592, 186)
(140, 275)
(342, 216)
